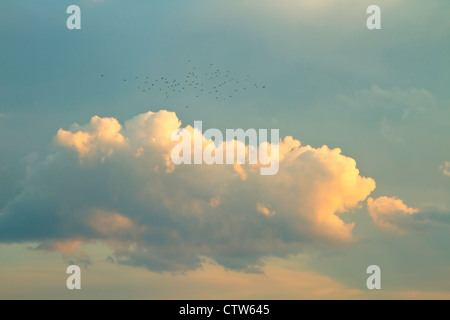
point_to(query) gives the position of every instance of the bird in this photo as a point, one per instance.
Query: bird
(217, 82)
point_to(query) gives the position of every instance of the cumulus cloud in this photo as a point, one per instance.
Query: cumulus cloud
(391, 214)
(102, 135)
(116, 184)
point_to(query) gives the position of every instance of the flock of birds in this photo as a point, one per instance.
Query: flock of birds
(217, 83)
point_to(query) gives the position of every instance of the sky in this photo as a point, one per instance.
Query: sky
(86, 178)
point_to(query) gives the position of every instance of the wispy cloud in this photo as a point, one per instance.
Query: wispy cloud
(404, 102)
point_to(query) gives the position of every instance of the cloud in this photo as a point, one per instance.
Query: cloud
(404, 102)
(264, 210)
(387, 132)
(80, 259)
(390, 214)
(445, 169)
(100, 136)
(64, 246)
(117, 185)
(395, 104)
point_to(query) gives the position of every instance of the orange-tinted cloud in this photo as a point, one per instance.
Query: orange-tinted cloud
(121, 187)
(387, 213)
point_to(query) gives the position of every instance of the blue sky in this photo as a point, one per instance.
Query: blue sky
(380, 96)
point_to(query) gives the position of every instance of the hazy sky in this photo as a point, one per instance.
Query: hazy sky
(365, 151)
